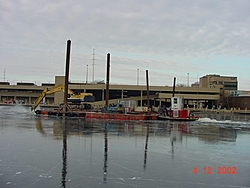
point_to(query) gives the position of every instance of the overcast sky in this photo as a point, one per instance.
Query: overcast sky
(184, 39)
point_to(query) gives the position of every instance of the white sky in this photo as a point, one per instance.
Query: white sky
(168, 38)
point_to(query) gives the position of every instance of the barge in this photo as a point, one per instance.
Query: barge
(100, 115)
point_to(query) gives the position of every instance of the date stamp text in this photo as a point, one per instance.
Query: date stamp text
(220, 170)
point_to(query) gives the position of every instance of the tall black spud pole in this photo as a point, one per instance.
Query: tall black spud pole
(148, 104)
(174, 87)
(66, 77)
(107, 80)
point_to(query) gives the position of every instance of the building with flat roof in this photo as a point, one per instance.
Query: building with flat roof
(217, 81)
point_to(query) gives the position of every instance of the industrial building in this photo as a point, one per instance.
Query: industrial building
(228, 83)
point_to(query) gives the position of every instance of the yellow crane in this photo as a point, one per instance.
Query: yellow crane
(73, 98)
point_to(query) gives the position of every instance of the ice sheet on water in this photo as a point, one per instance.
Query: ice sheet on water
(207, 120)
(224, 123)
(134, 178)
(45, 176)
(14, 110)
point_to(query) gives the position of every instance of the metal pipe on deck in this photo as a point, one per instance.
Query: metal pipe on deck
(107, 80)
(66, 77)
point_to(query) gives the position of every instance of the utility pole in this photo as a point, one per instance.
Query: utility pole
(188, 79)
(93, 59)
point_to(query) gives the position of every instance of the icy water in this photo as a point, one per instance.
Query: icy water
(53, 152)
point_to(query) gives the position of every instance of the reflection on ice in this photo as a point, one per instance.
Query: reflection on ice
(105, 165)
(146, 148)
(70, 152)
(212, 132)
(64, 153)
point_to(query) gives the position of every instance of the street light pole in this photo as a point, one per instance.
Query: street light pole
(93, 74)
(87, 74)
(188, 79)
(137, 76)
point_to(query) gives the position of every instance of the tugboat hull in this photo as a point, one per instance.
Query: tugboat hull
(190, 118)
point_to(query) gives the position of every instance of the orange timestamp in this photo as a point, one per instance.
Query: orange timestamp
(220, 170)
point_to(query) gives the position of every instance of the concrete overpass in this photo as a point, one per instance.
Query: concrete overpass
(158, 94)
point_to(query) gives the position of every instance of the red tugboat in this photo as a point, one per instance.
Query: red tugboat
(176, 112)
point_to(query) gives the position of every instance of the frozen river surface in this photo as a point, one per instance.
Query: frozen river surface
(52, 152)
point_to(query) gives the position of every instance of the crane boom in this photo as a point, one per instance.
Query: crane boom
(47, 91)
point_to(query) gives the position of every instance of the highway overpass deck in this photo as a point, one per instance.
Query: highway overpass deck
(117, 92)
